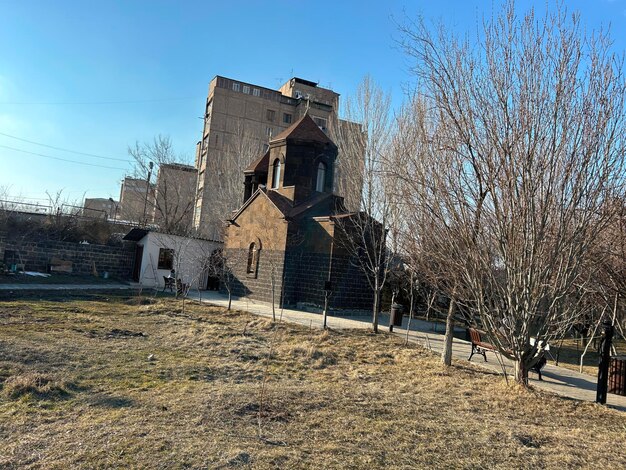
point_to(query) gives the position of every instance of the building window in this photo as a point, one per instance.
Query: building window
(321, 123)
(276, 174)
(287, 118)
(270, 131)
(246, 89)
(236, 86)
(253, 259)
(271, 114)
(256, 92)
(166, 258)
(321, 177)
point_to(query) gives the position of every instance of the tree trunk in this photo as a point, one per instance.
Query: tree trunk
(521, 373)
(446, 354)
(376, 309)
(273, 298)
(408, 328)
(230, 299)
(325, 313)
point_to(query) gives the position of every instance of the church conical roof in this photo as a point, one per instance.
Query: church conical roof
(303, 129)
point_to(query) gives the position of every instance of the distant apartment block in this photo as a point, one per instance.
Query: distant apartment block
(175, 195)
(136, 200)
(239, 120)
(99, 207)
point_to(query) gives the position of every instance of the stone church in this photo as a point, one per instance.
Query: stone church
(286, 232)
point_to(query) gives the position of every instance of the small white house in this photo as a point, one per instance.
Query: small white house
(157, 254)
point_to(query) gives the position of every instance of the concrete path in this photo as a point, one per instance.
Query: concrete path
(559, 380)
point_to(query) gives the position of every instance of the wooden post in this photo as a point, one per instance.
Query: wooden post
(603, 367)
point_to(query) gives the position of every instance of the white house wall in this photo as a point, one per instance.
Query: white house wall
(189, 259)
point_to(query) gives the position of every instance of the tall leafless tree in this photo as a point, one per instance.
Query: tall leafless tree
(173, 205)
(365, 231)
(227, 176)
(521, 144)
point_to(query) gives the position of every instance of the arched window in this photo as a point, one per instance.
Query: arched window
(276, 177)
(321, 177)
(253, 258)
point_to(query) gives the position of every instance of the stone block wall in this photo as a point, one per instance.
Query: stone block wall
(306, 274)
(257, 286)
(3, 240)
(37, 254)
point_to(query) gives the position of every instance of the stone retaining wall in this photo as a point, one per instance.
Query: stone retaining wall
(36, 255)
(3, 240)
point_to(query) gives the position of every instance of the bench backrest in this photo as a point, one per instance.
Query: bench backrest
(474, 335)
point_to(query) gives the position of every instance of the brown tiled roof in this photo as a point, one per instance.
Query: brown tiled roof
(304, 129)
(284, 205)
(309, 203)
(281, 202)
(260, 164)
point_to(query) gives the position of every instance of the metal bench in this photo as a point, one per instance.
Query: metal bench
(168, 283)
(478, 345)
(481, 347)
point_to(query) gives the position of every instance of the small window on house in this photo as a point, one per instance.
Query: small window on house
(276, 173)
(287, 118)
(270, 131)
(271, 114)
(166, 258)
(256, 92)
(236, 86)
(321, 178)
(246, 89)
(253, 259)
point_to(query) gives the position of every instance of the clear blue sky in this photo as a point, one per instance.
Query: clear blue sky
(94, 77)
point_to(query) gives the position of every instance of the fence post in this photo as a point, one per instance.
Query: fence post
(605, 356)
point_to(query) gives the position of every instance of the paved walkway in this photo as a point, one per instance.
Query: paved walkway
(558, 380)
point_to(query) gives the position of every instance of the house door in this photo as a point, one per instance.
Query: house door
(137, 265)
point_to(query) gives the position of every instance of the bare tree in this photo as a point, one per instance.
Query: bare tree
(226, 190)
(520, 146)
(223, 266)
(173, 202)
(363, 233)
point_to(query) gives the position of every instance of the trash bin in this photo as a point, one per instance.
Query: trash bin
(617, 375)
(396, 315)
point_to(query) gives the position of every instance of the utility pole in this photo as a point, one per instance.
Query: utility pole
(145, 202)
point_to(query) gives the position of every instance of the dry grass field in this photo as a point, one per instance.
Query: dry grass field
(135, 383)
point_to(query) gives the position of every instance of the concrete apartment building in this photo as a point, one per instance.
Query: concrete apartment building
(174, 200)
(136, 200)
(100, 207)
(240, 119)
